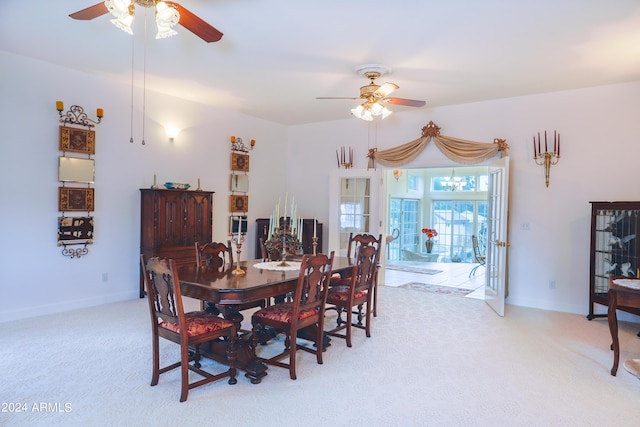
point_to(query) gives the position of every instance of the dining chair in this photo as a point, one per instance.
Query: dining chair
(357, 295)
(169, 321)
(218, 256)
(355, 242)
(480, 257)
(214, 255)
(305, 311)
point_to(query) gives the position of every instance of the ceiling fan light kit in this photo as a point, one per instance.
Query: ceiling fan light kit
(168, 14)
(375, 96)
(124, 10)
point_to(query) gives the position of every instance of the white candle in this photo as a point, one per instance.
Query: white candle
(300, 221)
(154, 179)
(286, 198)
(239, 227)
(314, 226)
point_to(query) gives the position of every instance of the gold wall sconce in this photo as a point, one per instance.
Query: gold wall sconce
(397, 173)
(546, 158)
(77, 116)
(345, 158)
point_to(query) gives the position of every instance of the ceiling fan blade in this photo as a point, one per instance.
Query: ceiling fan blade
(406, 102)
(386, 89)
(90, 12)
(196, 25)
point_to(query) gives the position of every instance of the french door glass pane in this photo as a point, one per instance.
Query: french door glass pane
(404, 220)
(354, 208)
(456, 222)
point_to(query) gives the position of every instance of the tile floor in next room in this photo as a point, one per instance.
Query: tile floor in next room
(451, 274)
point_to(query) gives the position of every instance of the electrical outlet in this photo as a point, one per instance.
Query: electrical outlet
(552, 284)
(525, 226)
(105, 277)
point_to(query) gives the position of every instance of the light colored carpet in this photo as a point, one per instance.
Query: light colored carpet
(436, 289)
(432, 360)
(411, 268)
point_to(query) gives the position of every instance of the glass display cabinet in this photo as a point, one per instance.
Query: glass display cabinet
(614, 249)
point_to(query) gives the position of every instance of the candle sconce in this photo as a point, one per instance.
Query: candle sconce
(76, 115)
(345, 157)
(546, 158)
(238, 145)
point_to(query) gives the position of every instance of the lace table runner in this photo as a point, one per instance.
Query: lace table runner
(273, 265)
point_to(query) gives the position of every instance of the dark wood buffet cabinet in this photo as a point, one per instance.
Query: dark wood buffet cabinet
(171, 222)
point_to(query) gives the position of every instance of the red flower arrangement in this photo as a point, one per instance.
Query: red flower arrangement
(430, 232)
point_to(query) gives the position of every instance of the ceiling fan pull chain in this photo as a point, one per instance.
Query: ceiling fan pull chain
(132, 65)
(144, 76)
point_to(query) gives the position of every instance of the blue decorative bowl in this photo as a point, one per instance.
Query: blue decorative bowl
(176, 186)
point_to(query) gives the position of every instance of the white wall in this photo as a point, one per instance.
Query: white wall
(600, 136)
(598, 125)
(36, 277)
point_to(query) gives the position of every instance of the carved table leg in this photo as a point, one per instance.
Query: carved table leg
(613, 327)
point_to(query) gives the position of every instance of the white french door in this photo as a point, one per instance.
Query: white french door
(497, 243)
(354, 206)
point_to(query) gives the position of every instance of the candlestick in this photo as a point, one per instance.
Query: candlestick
(238, 271)
(59, 105)
(314, 226)
(558, 145)
(100, 113)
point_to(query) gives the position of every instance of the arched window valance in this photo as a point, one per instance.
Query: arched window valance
(458, 150)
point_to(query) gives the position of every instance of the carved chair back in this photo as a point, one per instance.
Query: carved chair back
(214, 255)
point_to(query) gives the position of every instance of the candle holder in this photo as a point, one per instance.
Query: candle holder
(345, 157)
(314, 244)
(284, 239)
(238, 240)
(547, 158)
(76, 115)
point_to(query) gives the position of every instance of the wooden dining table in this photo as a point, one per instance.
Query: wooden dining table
(233, 291)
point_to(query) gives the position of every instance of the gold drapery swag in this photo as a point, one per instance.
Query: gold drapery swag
(458, 150)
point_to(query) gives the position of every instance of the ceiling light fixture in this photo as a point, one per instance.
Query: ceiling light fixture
(375, 96)
(124, 10)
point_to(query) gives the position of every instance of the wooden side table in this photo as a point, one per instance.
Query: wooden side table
(619, 296)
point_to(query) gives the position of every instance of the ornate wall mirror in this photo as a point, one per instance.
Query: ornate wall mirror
(71, 169)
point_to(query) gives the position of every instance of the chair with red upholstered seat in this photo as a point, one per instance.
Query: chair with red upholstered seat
(354, 243)
(306, 310)
(169, 321)
(358, 293)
